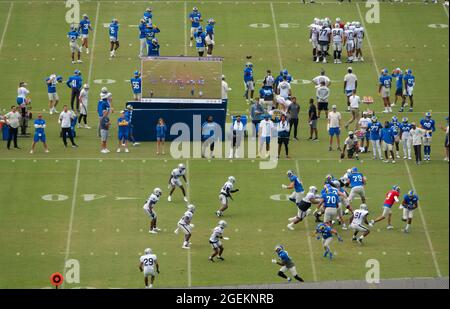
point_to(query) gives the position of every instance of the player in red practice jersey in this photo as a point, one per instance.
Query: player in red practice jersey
(391, 198)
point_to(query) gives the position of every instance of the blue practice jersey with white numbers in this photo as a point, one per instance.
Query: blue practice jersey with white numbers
(114, 30)
(85, 26)
(428, 124)
(385, 81)
(356, 179)
(195, 18)
(409, 201)
(298, 186)
(374, 129)
(136, 85)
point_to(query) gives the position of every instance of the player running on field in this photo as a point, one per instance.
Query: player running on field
(225, 195)
(114, 37)
(409, 204)
(149, 265)
(215, 242)
(195, 17)
(389, 201)
(286, 263)
(358, 218)
(295, 184)
(73, 36)
(326, 232)
(304, 207)
(84, 28)
(149, 209)
(174, 181)
(185, 225)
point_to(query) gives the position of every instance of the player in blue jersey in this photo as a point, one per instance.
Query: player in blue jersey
(195, 17)
(103, 105)
(410, 82)
(114, 37)
(387, 137)
(357, 183)
(384, 89)
(142, 37)
(200, 42)
(249, 81)
(136, 86)
(148, 15)
(374, 129)
(84, 28)
(129, 118)
(297, 185)
(409, 204)
(39, 133)
(210, 36)
(405, 138)
(286, 263)
(395, 125)
(53, 98)
(75, 83)
(428, 124)
(153, 48)
(150, 33)
(326, 232)
(398, 75)
(73, 36)
(122, 134)
(330, 202)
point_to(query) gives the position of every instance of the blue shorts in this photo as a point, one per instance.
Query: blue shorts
(123, 135)
(265, 139)
(39, 137)
(20, 100)
(348, 92)
(386, 205)
(334, 131)
(160, 137)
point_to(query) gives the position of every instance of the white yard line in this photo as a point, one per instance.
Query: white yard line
(91, 60)
(277, 42)
(446, 10)
(6, 25)
(377, 70)
(308, 236)
(160, 159)
(188, 193)
(422, 217)
(72, 213)
(185, 29)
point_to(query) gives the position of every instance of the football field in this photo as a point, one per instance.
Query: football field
(79, 204)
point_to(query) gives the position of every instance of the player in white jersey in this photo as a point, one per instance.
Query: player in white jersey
(337, 35)
(359, 34)
(314, 37)
(225, 195)
(149, 209)
(344, 206)
(358, 219)
(84, 98)
(175, 181)
(215, 242)
(186, 226)
(304, 207)
(349, 42)
(324, 43)
(148, 263)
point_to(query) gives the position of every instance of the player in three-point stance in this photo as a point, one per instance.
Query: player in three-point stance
(225, 195)
(389, 201)
(215, 242)
(174, 181)
(148, 263)
(286, 263)
(149, 209)
(357, 220)
(186, 226)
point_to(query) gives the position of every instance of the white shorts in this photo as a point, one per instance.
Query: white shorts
(53, 97)
(297, 196)
(85, 36)
(427, 141)
(149, 272)
(330, 214)
(408, 213)
(359, 190)
(409, 91)
(74, 47)
(385, 92)
(83, 109)
(209, 41)
(250, 85)
(151, 215)
(186, 228)
(216, 244)
(327, 242)
(223, 199)
(359, 43)
(386, 147)
(113, 39)
(314, 44)
(350, 45)
(386, 211)
(137, 96)
(337, 46)
(292, 270)
(175, 182)
(359, 227)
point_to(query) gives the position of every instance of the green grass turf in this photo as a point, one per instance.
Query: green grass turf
(249, 251)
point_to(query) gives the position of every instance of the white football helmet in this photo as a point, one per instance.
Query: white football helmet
(313, 189)
(363, 206)
(222, 223)
(181, 166)
(232, 179)
(290, 173)
(191, 208)
(148, 251)
(104, 90)
(336, 183)
(157, 192)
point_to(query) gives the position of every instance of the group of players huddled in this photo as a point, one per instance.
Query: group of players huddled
(324, 34)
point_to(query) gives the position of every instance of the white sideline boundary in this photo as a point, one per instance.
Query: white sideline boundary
(5, 29)
(91, 60)
(377, 71)
(424, 224)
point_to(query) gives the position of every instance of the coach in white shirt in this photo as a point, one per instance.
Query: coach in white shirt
(65, 119)
(225, 90)
(238, 133)
(12, 119)
(334, 127)
(416, 135)
(350, 84)
(321, 78)
(265, 130)
(284, 88)
(355, 102)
